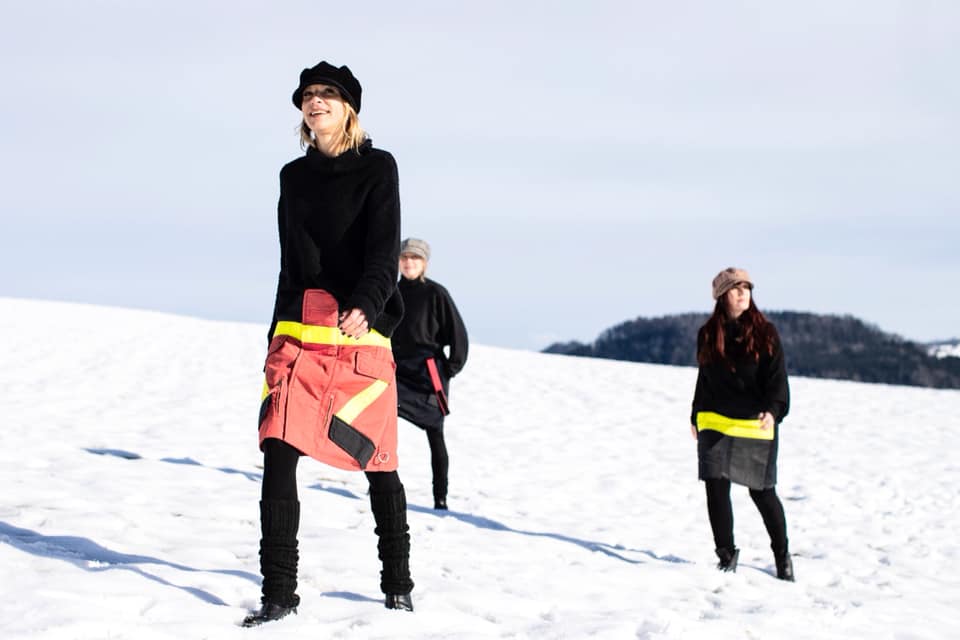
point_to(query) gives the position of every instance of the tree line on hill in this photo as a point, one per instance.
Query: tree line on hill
(816, 345)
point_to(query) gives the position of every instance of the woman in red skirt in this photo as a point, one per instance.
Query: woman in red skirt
(330, 390)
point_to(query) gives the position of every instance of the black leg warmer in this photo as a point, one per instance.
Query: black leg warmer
(279, 522)
(390, 513)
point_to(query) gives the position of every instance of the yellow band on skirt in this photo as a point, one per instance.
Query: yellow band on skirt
(314, 334)
(734, 427)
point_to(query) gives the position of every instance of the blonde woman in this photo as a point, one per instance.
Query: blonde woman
(431, 324)
(330, 390)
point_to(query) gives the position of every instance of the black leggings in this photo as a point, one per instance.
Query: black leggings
(280, 473)
(439, 461)
(720, 510)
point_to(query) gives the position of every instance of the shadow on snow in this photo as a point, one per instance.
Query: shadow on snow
(347, 595)
(600, 547)
(129, 455)
(249, 475)
(614, 551)
(90, 556)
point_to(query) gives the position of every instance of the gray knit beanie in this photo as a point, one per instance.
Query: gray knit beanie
(417, 247)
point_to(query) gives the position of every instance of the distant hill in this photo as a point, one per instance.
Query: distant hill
(818, 346)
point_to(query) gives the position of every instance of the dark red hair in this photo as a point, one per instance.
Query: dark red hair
(757, 333)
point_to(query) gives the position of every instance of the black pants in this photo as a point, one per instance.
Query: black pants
(280, 473)
(439, 462)
(720, 510)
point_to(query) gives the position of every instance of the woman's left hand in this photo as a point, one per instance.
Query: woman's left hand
(766, 420)
(353, 323)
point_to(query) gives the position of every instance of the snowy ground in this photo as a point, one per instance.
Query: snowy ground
(951, 348)
(130, 478)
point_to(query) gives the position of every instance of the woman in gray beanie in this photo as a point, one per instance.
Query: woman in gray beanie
(741, 397)
(430, 324)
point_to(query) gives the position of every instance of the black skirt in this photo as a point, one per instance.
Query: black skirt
(419, 407)
(746, 461)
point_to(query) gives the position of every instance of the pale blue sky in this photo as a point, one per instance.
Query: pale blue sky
(573, 164)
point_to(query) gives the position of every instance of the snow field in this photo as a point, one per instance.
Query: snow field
(131, 479)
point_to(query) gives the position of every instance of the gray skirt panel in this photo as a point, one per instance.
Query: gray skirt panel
(745, 461)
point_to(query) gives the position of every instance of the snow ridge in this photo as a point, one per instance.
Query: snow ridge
(947, 349)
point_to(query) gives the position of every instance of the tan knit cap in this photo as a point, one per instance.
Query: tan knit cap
(417, 247)
(728, 279)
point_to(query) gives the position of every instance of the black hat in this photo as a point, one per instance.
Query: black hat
(326, 73)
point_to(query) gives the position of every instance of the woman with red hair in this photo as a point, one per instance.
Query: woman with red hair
(741, 397)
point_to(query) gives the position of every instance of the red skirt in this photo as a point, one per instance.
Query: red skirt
(332, 397)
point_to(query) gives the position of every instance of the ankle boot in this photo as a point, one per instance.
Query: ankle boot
(783, 561)
(728, 559)
(267, 613)
(784, 564)
(400, 601)
(279, 522)
(393, 545)
(440, 493)
(784, 567)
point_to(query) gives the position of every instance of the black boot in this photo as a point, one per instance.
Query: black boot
(440, 492)
(279, 522)
(267, 613)
(393, 545)
(728, 559)
(782, 559)
(399, 601)
(784, 563)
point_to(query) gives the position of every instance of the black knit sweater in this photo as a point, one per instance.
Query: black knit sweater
(747, 388)
(339, 221)
(431, 322)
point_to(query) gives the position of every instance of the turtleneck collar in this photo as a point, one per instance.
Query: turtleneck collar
(416, 282)
(344, 159)
(733, 325)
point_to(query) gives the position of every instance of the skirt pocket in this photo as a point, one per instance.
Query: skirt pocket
(273, 401)
(353, 442)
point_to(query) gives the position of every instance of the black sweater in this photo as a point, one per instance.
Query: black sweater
(747, 389)
(430, 322)
(339, 221)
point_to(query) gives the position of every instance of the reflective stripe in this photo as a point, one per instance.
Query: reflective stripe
(735, 427)
(315, 334)
(349, 412)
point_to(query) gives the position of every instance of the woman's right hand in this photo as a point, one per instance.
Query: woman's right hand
(693, 431)
(353, 323)
(766, 420)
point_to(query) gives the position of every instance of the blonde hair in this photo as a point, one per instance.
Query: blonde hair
(351, 135)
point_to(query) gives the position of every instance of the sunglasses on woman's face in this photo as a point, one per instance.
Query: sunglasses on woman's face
(324, 94)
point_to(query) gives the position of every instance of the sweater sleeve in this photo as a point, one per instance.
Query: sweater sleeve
(776, 389)
(282, 277)
(453, 333)
(700, 390)
(381, 246)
